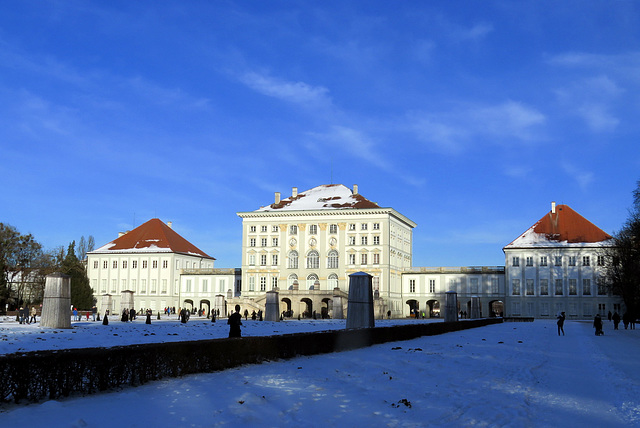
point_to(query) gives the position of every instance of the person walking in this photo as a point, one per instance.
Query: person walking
(34, 312)
(235, 321)
(616, 320)
(597, 324)
(560, 323)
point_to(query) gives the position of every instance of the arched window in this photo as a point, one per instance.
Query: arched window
(311, 280)
(333, 281)
(291, 278)
(293, 259)
(332, 260)
(313, 260)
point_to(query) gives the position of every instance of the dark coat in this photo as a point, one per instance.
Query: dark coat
(235, 321)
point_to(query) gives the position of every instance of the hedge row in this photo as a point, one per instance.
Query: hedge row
(35, 376)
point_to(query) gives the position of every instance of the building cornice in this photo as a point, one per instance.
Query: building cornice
(328, 213)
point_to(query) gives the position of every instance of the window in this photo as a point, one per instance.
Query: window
(114, 285)
(154, 264)
(352, 226)
(544, 309)
(473, 285)
(313, 229)
(333, 280)
(529, 261)
(143, 286)
(412, 286)
(364, 226)
(586, 287)
(352, 259)
(154, 286)
(559, 287)
(96, 264)
(164, 287)
(144, 264)
(432, 286)
(205, 286)
(293, 260)
(134, 264)
(115, 264)
(274, 260)
(602, 288)
(274, 242)
(600, 261)
(332, 259)
(586, 261)
(252, 283)
(572, 260)
(558, 260)
(363, 240)
(573, 286)
(293, 277)
(252, 228)
(515, 261)
(529, 287)
(311, 282)
(263, 229)
(275, 229)
(293, 229)
(252, 242)
(376, 240)
(263, 283)
(363, 259)
(123, 284)
(313, 260)
(376, 258)
(376, 226)
(124, 264)
(263, 242)
(544, 287)
(352, 240)
(252, 259)
(263, 259)
(274, 282)
(333, 228)
(515, 287)
(543, 261)
(165, 264)
(495, 287)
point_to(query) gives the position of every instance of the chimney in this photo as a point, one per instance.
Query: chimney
(277, 197)
(355, 189)
(120, 234)
(294, 192)
(553, 207)
(170, 224)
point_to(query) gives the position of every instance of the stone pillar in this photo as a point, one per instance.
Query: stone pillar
(451, 306)
(475, 307)
(220, 304)
(337, 309)
(360, 309)
(107, 304)
(126, 301)
(56, 306)
(272, 307)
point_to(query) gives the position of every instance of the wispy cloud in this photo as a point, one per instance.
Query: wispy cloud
(353, 142)
(299, 93)
(581, 177)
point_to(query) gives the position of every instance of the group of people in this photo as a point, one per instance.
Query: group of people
(26, 315)
(628, 320)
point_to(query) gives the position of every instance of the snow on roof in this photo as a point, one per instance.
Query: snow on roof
(152, 237)
(324, 197)
(561, 226)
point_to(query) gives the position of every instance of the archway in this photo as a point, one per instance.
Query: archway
(414, 306)
(307, 307)
(326, 305)
(496, 308)
(434, 308)
(287, 304)
(188, 304)
(205, 305)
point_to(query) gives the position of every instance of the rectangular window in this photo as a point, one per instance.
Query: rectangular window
(412, 286)
(133, 286)
(376, 226)
(558, 260)
(559, 291)
(602, 288)
(154, 286)
(263, 259)
(263, 242)
(115, 264)
(274, 282)
(473, 285)
(144, 264)
(313, 229)
(543, 261)
(263, 229)
(586, 309)
(529, 261)
(274, 260)
(352, 259)
(515, 261)
(363, 240)
(364, 226)
(572, 260)
(164, 287)
(123, 284)
(205, 286)
(105, 264)
(154, 264)
(352, 226)
(252, 242)
(529, 287)
(544, 287)
(573, 286)
(274, 242)
(104, 286)
(143, 286)
(600, 260)
(363, 259)
(275, 229)
(293, 229)
(432, 286)
(495, 286)
(333, 228)
(263, 283)
(252, 283)
(544, 309)
(96, 264)
(376, 259)
(165, 264)
(124, 264)
(376, 240)
(515, 287)
(352, 240)
(114, 285)
(252, 259)
(252, 228)
(586, 261)
(586, 287)
(515, 308)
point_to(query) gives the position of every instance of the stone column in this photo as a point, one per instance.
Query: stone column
(126, 301)
(56, 306)
(272, 307)
(360, 309)
(475, 307)
(451, 306)
(220, 304)
(337, 311)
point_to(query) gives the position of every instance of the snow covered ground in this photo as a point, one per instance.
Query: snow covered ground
(511, 374)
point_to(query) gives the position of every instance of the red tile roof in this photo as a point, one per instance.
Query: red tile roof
(323, 197)
(562, 226)
(153, 236)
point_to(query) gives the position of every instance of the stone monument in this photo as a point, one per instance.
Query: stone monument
(338, 307)
(475, 307)
(360, 309)
(272, 307)
(56, 305)
(451, 306)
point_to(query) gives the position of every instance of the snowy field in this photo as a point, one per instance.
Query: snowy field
(505, 375)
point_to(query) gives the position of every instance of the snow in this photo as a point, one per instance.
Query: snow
(530, 239)
(318, 198)
(510, 374)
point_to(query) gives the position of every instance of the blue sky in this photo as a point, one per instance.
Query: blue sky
(467, 117)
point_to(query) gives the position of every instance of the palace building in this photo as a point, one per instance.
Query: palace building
(305, 247)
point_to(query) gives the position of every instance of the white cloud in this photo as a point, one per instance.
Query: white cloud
(354, 142)
(582, 178)
(294, 92)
